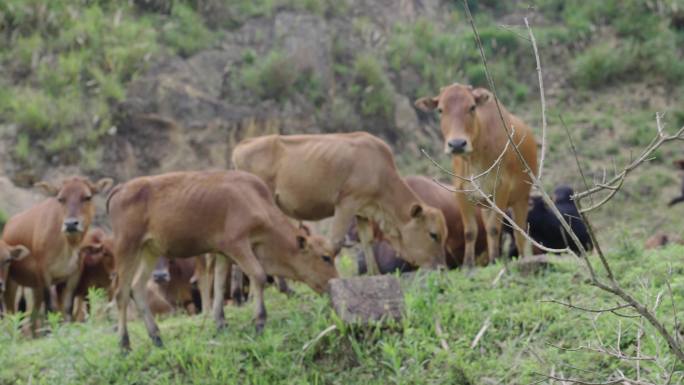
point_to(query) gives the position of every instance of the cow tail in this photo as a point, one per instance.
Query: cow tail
(115, 190)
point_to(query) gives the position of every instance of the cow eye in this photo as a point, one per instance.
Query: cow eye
(434, 236)
(327, 259)
(87, 198)
(472, 108)
(439, 111)
(61, 200)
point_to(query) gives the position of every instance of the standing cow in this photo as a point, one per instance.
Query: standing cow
(474, 136)
(344, 176)
(231, 213)
(52, 231)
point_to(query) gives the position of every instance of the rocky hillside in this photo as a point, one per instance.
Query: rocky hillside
(126, 88)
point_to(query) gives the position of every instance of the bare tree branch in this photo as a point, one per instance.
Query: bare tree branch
(542, 97)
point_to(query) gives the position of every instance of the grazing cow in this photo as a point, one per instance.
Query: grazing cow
(344, 176)
(8, 254)
(475, 138)
(231, 213)
(661, 239)
(680, 198)
(436, 196)
(53, 230)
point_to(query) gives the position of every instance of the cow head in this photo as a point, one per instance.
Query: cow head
(161, 273)
(96, 248)
(423, 236)
(563, 194)
(458, 108)
(75, 198)
(9, 254)
(314, 263)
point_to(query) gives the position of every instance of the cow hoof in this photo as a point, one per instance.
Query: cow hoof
(125, 345)
(157, 341)
(259, 329)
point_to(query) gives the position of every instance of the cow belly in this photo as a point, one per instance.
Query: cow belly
(304, 209)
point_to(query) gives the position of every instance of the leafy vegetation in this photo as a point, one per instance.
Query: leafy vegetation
(519, 347)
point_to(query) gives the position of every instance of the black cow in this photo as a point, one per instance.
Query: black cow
(546, 229)
(680, 198)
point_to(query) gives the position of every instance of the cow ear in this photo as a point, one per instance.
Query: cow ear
(301, 242)
(102, 185)
(427, 103)
(416, 210)
(47, 187)
(481, 95)
(19, 252)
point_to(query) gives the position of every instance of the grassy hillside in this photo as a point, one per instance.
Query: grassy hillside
(518, 347)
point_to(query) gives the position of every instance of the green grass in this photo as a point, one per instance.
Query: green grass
(514, 350)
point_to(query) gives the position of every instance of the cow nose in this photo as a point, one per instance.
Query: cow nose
(457, 146)
(71, 225)
(161, 276)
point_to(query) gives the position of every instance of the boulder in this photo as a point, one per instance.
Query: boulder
(363, 300)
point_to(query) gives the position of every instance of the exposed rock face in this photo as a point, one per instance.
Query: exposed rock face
(188, 113)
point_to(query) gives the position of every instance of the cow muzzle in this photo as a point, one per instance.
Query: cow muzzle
(72, 226)
(161, 276)
(457, 146)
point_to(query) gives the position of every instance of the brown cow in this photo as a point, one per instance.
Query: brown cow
(53, 230)
(173, 279)
(191, 213)
(97, 268)
(439, 197)
(474, 136)
(8, 254)
(344, 176)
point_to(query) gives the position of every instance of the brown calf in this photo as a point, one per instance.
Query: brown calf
(344, 176)
(474, 136)
(231, 213)
(8, 254)
(53, 230)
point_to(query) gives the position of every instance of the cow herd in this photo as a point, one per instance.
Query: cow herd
(179, 237)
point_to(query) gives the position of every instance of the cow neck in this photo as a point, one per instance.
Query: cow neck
(399, 206)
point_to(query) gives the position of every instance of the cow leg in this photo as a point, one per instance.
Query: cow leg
(493, 226)
(344, 215)
(221, 266)
(127, 264)
(365, 230)
(10, 296)
(149, 260)
(283, 287)
(237, 282)
(245, 258)
(520, 210)
(204, 283)
(469, 229)
(38, 299)
(68, 296)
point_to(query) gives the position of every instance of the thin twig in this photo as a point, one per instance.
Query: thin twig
(542, 97)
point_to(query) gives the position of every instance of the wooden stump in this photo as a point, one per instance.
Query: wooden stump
(362, 300)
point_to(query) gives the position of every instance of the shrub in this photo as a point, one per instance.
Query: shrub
(372, 89)
(272, 78)
(601, 65)
(185, 32)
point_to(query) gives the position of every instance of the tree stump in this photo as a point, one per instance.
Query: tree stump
(364, 300)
